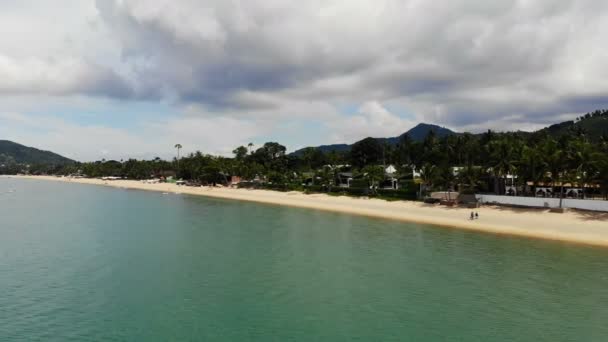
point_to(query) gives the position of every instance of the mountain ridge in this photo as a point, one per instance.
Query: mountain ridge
(416, 133)
(15, 153)
(593, 124)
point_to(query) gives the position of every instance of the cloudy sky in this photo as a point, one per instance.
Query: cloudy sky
(131, 78)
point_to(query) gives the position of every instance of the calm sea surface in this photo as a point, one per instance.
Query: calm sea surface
(88, 263)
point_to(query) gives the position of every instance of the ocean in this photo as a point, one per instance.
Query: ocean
(91, 263)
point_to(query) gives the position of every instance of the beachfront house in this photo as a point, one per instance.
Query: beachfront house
(391, 179)
(308, 178)
(344, 179)
(510, 187)
(416, 174)
(570, 190)
(574, 193)
(503, 185)
(389, 183)
(544, 192)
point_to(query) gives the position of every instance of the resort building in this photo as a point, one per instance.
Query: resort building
(344, 179)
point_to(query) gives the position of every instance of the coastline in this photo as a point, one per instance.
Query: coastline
(589, 228)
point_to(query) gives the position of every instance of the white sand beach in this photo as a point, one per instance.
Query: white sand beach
(574, 226)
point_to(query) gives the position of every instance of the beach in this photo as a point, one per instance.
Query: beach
(589, 228)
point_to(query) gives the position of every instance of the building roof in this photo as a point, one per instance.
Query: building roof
(390, 169)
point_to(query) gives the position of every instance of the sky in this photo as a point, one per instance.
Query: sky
(118, 79)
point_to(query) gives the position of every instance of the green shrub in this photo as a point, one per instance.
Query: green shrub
(409, 185)
(467, 191)
(402, 194)
(351, 191)
(270, 186)
(397, 194)
(359, 183)
(315, 188)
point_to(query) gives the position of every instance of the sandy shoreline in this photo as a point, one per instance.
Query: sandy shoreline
(574, 226)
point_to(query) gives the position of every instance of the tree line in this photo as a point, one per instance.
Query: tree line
(460, 162)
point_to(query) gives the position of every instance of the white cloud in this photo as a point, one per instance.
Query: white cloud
(419, 54)
(65, 76)
(86, 142)
(57, 48)
(372, 120)
(256, 66)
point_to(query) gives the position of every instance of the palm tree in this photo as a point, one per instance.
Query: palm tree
(374, 174)
(327, 176)
(603, 175)
(585, 160)
(502, 160)
(469, 177)
(250, 147)
(403, 154)
(178, 147)
(429, 173)
(470, 149)
(556, 163)
(531, 166)
(445, 176)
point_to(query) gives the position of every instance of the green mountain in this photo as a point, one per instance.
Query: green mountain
(417, 133)
(594, 125)
(420, 132)
(13, 153)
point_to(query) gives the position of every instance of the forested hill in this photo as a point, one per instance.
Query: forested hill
(420, 132)
(417, 133)
(594, 125)
(13, 153)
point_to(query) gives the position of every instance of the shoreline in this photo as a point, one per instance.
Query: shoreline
(588, 228)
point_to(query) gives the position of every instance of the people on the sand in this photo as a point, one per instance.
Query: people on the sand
(476, 215)
(472, 216)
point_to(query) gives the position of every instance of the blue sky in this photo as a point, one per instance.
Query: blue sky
(131, 78)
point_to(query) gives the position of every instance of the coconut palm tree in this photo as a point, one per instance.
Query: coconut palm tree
(502, 160)
(429, 173)
(555, 159)
(374, 174)
(468, 177)
(178, 147)
(602, 177)
(327, 176)
(585, 161)
(307, 157)
(531, 166)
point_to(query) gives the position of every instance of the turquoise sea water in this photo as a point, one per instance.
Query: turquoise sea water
(89, 263)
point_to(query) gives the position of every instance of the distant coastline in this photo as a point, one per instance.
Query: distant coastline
(575, 227)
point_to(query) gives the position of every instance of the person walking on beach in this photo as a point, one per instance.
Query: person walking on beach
(476, 215)
(472, 216)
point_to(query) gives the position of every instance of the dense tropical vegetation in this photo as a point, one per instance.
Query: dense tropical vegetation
(561, 154)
